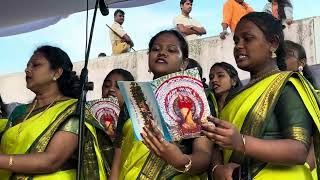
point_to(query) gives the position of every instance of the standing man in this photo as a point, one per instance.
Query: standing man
(233, 10)
(120, 41)
(185, 24)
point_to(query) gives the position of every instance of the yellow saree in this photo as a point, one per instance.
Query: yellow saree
(138, 163)
(249, 110)
(34, 134)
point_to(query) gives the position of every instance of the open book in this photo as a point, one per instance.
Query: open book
(104, 113)
(176, 103)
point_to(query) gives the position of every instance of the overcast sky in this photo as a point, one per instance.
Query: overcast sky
(141, 23)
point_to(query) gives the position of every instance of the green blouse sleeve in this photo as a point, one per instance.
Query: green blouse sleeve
(71, 125)
(294, 120)
(18, 112)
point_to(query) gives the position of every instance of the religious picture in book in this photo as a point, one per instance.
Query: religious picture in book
(176, 103)
(105, 112)
(183, 103)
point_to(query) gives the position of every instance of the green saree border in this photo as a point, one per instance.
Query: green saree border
(155, 168)
(40, 144)
(257, 118)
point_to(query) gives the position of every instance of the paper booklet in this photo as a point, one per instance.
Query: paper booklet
(176, 103)
(105, 112)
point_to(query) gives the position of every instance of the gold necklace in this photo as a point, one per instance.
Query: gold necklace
(31, 110)
(259, 78)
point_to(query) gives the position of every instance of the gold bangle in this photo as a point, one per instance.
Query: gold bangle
(187, 167)
(244, 144)
(10, 161)
(214, 168)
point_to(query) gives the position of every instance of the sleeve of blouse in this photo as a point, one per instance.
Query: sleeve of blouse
(295, 122)
(71, 125)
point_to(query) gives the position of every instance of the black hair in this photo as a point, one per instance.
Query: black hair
(118, 11)
(68, 82)
(271, 28)
(3, 112)
(102, 54)
(290, 45)
(233, 73)
(281, 5)
(127, 76)
(184, 1)
(194, 64)
(182, 41)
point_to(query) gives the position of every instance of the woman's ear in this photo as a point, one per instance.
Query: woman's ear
(275, 40)
(233, 82)
(184, 64)
(302, 62)
(57, 73)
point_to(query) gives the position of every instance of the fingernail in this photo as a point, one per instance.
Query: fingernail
(142, 134)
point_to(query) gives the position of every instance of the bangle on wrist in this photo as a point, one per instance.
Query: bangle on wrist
(244, 144)
(187, 166)
(214, 168)
(10, 163)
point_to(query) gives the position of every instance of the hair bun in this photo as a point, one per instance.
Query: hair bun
(69, 84)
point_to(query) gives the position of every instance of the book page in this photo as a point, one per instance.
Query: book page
(106, 112)
(182, 102)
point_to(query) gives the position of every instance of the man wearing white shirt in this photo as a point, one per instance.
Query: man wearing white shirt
(185, 24)
(120, 40)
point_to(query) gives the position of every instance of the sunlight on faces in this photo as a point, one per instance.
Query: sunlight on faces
(110, 87)
(252, 50)
(165, 55)
(39, 73)
(220, 80)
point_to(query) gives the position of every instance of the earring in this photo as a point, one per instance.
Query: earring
(54, 78)
(273, 53)
(300, 69)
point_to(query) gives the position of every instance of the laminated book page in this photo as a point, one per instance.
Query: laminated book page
(142, 106)
(105, 112)
(182, 102)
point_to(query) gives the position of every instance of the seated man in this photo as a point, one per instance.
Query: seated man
(185, 24)
(120, 41)
(233, 10)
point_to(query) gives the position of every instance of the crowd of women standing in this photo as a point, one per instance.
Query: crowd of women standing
(265, 129)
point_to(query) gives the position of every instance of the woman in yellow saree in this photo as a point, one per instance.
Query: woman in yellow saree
(155, 158)
(110, 88)
(296, 60)
(40, 138)
(224, 82)
(267, 128)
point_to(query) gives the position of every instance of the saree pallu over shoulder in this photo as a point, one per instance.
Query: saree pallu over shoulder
(34, 134)
(250, 110)
(211, 98)
(138, 163)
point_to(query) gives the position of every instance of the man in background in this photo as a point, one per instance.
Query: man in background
(120, 40)
(185, 24)
(233, 11)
